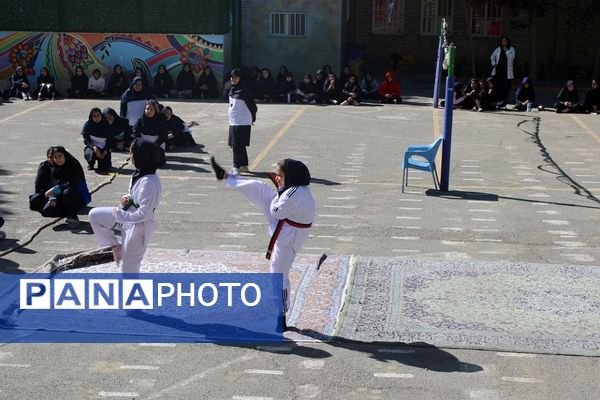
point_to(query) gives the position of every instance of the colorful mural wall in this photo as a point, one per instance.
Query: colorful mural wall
(62, 52)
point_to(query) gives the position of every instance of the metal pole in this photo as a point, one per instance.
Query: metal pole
(439, 63)
(448, 111)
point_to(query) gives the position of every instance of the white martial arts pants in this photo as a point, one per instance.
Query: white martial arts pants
(132, 235)
(290, 240)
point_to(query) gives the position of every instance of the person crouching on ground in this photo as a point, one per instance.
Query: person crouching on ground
(290, 211)
(97, 137)
(70, 193)
(135, 215)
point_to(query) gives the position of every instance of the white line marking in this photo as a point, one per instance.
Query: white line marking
(470, 160)
(249, 223)
(403, 217)
(326, 225)
(302, 156)
(351, 169)
(396, 351)
(54, 242)
(197, 194)
(525, 174)
(489, 240)
(406, 237)
(232, 246)
(179, 212)
(233, 234)
(335, 216)
(313, 364)
(247, 214)
(263, 372)
(530, 180)
(492, 252)
(348, 176)
(585, 176)
(555, 222)
(521, 167)
(157, 344)
(193, 203)
(406, 251)
(140, 367)
(276, 349)
(411, 200)
(347, 206)
(483, 219)
(118, 394)
(315, 248)
(571, 233)
(392, 375)
(538, 195)
(580, 257)
(480, 201)
(342, 190)
(452, 242)
(408, 227)
(470, 166)
(518, 355)
(480, 210)
(15, 365)
(410, 208)
(471, 172)
(452, 229)
(485, 230)
(570, 244)
(574, 162)
(549, 212)
(520, 380)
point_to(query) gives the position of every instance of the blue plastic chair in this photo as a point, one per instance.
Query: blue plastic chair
(426, 152)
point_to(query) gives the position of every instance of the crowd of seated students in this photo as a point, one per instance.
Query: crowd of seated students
(323, 88)
(479, 95)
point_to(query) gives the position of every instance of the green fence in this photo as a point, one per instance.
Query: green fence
(124, 16)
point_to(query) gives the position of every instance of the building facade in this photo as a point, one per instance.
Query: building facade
(301, 34)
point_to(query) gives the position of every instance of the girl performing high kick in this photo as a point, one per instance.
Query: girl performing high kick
(289, 209)
(135, 216)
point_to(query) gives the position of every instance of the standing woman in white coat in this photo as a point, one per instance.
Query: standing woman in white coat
(502, 67)
(135, 215)
(290, 211)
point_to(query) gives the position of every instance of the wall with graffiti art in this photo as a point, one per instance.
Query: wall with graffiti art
(63, 52)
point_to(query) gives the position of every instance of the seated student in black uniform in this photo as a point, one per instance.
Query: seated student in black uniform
(568, 99)
(152, 128)
(178, 132)
(117, 83)
(97, 137)
(525, 95)
(43, 183)
(163, 82)
(79, 84)
(491, 98)
(121, 130)
(307, 90)
(70, 191)
(287, 89)
(46, 88)
(591, 100)
(20, 84)
(206, 88)
(266, 86)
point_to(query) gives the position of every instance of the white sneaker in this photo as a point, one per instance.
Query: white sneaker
(333, 101)
(345, 103)
(234, 171)
(244, 169)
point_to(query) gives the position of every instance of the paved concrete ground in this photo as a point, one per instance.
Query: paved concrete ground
(532, 181)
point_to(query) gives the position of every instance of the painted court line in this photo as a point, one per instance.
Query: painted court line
(342, 190)
(157, 344)
(276, 138)
(403, 217)
(555, 222)
(452, 229)
(250, 398)
(411, 200)
(483, 219)
(392, 375)
(119, 394)
(408, 227)
(406, 237)
(575, 162)
(406, 251)
(15, 365)
(480, 210)
(25, 112)
(263, 372)
(410, 208)
(347, 206)
(485, 230)
(489, 240)
(140, 367)
(520, 380)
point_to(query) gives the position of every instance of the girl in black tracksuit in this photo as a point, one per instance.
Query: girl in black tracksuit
(178, 133)
(120, 129)
(43, 183)
(152, 128)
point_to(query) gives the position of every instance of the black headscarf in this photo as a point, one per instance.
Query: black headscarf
(44, 79)
(152, 126)
(70, 172)
(146, 159)
(569, 95)
(174, 124)
(525, 93)
(295, 172)
(16, 78)
(185, 79)
(79, 82)
(100, 129)
(131, 95)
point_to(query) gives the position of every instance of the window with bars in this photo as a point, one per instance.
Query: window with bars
(486, 19)
(432, 12)
(287, 24)
(388, 16)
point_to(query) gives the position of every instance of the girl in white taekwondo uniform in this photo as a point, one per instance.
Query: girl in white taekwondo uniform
(136, 211)
(290, 210)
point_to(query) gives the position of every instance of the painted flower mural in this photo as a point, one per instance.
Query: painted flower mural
(62, 52)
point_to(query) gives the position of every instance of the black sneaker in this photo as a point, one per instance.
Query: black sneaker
(219, 171)
(73, 222)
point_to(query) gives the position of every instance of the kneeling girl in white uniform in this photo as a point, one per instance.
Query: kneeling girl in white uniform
(136, 212)
(289, 209)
